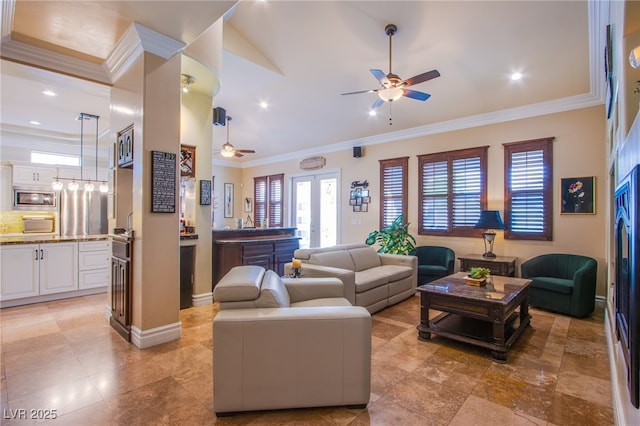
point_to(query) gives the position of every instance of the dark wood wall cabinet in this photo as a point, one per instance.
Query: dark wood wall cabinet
(500, 265)
(270, 248)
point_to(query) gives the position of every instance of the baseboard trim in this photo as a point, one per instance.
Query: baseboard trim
(202, 299)
(155, 336)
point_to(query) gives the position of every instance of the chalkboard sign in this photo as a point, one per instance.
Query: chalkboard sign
(163, 182)
(205, 192)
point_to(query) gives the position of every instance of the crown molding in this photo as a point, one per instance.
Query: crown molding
(58, 62)
(136, 40)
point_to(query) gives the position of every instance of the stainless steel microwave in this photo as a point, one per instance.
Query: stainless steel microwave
(34, 199)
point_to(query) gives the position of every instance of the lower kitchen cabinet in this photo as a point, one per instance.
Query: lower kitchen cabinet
(94, 259)
(29, 270)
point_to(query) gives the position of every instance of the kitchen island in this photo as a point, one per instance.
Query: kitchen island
(40, 268)
(267, 247)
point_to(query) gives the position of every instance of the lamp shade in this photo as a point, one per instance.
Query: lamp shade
(489, 219)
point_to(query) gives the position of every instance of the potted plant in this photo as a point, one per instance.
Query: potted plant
(477, 276)
(394, 239)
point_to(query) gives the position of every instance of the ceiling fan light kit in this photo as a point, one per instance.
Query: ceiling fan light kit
(229, 150)
(393, 87)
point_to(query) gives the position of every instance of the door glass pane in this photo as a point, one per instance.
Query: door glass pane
(328, 212)
(302, 200)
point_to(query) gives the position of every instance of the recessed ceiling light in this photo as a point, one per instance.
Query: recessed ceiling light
(49, 93)
(35, 123)
(373, 113)
(264, 105)
(516, 76)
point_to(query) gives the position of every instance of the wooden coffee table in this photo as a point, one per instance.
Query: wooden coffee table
(492, 316)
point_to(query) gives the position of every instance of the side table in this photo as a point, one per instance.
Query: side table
(500, 265)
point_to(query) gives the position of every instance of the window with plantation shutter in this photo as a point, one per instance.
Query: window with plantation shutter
(393, 184)
(276, 183)
(452, 191)
(268, 201)
(528, 187)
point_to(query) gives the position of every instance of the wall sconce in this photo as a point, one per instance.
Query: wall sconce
(489, 220)
(187, 81)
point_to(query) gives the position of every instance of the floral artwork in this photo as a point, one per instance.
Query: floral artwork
(578, 195)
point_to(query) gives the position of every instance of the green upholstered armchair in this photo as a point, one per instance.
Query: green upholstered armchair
(434, 262)
(564, 283)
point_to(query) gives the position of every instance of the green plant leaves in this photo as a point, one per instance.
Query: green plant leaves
(394, 239)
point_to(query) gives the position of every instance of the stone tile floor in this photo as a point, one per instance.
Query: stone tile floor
(64, 356)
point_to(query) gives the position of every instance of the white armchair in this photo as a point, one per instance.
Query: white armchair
(287, 343)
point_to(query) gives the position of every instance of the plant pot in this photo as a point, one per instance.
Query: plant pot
(476, 282)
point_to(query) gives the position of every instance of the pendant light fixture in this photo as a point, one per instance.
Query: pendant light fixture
(89, 185)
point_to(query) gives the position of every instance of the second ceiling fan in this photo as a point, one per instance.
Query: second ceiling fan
(393, 87)
(229, 150)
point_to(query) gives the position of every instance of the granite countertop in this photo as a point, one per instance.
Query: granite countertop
(39, 239)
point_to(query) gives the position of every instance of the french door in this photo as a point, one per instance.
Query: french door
(315, 209)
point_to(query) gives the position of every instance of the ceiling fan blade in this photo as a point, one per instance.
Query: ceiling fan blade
(237, 154)
(420, 78)
(381, 77)
(377, 103)
(414, 94)
(359, 91)
(246, 151)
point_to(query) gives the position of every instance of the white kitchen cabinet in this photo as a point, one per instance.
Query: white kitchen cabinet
(38, 269)
(20, 271)
(94, 264)
(6, 192)
(31, 175)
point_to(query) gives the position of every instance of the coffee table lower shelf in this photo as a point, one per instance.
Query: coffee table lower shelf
(476, 332)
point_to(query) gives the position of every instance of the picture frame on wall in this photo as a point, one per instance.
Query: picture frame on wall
(187, 160)
(578, 195)
(248, 204)
(205, 192)
(228, 200)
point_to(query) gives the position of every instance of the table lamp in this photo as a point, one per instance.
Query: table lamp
(489, 220)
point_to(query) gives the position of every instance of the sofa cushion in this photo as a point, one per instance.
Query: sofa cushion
(364, 258)
(326, 301)
(239, 284)
(273, 293)
(394, 272)
(370, 278)
(336, 259)
(556, 285)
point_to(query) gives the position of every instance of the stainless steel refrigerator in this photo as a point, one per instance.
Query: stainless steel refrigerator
(83, 213)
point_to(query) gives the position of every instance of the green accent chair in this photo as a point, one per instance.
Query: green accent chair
(563, 283)
(434, 262)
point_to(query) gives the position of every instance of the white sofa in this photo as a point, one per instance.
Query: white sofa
(287, 343)
(371, 279)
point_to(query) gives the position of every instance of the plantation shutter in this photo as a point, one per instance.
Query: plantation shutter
(453, 191)
(393, 178)
(276, 184)
(435, 191)
(528, 196)
(466, 189)
(259, 200)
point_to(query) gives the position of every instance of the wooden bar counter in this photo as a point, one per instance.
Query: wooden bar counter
(267, 247)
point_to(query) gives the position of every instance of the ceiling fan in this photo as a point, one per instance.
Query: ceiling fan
(229, 150)
(393, 87)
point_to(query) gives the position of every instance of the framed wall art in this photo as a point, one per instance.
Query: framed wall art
(205, 192)
(248, 204)
(228, 200)
(578, 195)
(187, 161)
